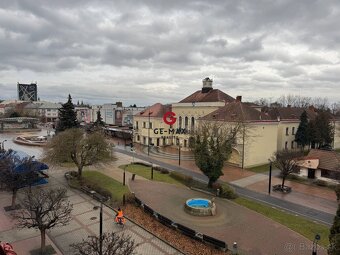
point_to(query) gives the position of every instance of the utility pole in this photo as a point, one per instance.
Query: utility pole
(270, 176)
(179, 152)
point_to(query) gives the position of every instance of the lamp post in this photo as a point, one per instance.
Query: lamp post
(315, 244)
(270, 176)
(149, 133)
(151, 171)
(179, 152)
(124, 176)
(100, 226)
(3, 145)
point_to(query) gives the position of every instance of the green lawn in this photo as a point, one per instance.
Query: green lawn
(259, 169)
(114, 187)
(145, 171)
(303, 226)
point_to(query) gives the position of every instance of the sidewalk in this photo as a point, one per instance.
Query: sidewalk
(85, 222)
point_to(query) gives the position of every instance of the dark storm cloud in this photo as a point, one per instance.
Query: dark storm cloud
(166, 47)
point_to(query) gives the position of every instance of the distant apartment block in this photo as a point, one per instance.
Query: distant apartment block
(27, 92)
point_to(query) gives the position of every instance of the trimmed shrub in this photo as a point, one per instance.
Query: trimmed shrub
(185, 179)
(164, 171)
(321, 183)
(97, 188)
(337, 192)
(142, 163)
(227, 192)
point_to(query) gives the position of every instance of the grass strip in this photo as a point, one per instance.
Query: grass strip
(259, 169)
(303, 226)
(115, 188)
(145, 171)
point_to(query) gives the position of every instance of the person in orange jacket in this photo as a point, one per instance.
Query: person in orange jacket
(120, 216)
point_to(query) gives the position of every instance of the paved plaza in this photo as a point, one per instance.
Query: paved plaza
(84, 223)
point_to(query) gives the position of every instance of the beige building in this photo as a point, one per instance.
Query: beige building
(265, 131)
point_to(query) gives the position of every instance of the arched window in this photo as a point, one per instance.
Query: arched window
(180, 122)
(192, 123)
(186, 122)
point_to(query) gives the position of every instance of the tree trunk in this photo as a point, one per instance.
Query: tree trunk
(14, 197)
(43, 241)
(283, 182)
(210, 183)
(80, 172)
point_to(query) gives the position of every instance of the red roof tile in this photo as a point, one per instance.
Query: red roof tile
(328, 160)
(156, 110)
(238, 111)
(214, 95)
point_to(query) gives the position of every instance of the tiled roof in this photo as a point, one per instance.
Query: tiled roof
(214, 95)
(238, 111)
(156, 110)
(328, 160)
(290, 113)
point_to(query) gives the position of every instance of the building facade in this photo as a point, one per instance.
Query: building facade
(265, 130)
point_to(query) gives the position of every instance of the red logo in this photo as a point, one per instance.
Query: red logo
(169, 118)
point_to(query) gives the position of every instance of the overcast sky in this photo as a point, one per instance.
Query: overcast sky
(145, 52)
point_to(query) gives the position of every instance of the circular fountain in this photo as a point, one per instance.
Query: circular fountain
(200, 207)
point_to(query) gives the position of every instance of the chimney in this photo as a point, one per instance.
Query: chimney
(207, 85)
(119, 104)
(239, 99)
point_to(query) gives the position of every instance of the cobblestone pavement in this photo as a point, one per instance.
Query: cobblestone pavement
(85, 222)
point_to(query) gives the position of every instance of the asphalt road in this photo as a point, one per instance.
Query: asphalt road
(298, 209)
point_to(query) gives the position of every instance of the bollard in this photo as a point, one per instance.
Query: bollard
(234, 252)
(218, 192)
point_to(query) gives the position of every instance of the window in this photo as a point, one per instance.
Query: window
(138, 137)
(292, 145)
(287, 131)
(144, 124)
(137, 125)
(180, 122)
(293, 130)
(144, 140)
(150, 125)
(186, 122)
(192, 123)
(286, 145)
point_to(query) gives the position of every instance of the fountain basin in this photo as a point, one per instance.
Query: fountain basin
(200, 207)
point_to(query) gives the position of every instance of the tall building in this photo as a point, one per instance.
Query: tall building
(27, 92)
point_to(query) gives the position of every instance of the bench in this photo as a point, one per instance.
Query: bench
(165, 221)
(138, 201)
(187, 231)
(148, 210)
(215, 242)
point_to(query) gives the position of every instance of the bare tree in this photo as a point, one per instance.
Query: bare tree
(113, 244)
(287, 162)
(43, 210)
(74, 145)
(212, 146)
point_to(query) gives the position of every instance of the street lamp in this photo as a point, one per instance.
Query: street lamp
(179, 152)
(151, 171)
(3, 145)
(124, 176)
(270, 176)
(149, 133)
(100, 225)
(315, 244)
